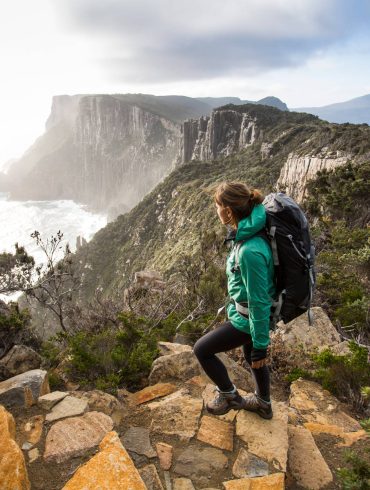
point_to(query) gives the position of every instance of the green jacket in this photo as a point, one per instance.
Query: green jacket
(254, 281)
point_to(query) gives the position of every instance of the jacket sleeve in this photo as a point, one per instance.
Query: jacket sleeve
(254, 272)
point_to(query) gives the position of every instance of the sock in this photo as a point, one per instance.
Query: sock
(230, 391)
(266, 399)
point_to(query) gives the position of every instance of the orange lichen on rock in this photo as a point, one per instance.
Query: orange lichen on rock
(110, 469)
(13, 472)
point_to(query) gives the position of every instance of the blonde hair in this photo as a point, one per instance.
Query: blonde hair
(238, 197)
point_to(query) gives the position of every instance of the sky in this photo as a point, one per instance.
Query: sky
(306, 52)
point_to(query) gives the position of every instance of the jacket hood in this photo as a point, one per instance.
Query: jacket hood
(255, 222)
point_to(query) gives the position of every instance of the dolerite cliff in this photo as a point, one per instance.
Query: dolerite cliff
(225, 132)
(299, 170)
(232, 129)
(98, 150)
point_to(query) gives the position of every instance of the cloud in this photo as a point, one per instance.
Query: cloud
(162, 40)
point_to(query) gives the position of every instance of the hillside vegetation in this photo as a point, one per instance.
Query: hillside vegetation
(170, 221)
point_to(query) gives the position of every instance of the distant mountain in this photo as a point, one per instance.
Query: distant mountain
(214, 102)
(356, 111)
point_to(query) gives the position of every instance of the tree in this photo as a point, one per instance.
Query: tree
(51, 284)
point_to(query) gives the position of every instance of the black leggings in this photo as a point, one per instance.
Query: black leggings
(222, 339)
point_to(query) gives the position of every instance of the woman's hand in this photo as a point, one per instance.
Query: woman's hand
(259, 358)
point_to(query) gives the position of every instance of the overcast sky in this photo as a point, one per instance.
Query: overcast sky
(306, 52)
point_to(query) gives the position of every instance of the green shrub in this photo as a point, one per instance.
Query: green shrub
(358, 476)
(345, 376)
(297, 373)
(112, 356)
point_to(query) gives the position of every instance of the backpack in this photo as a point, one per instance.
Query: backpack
(287, 232)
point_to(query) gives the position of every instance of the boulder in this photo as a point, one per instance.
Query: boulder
(72, 437)
(100, 401)
(24, 389)
(166, 348)
(184, 365)
(13, 472)
(149, 280)
(180, 366)
(20, 359)
(110, 469)
(298, 339)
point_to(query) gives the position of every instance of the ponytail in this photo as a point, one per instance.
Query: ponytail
(239, 198)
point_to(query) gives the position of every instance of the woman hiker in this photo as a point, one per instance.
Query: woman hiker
(251, 288)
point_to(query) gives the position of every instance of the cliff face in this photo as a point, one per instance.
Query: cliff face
(97, 150)
(225, 132)
(298, 170)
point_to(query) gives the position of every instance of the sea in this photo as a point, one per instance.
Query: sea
(18, 219)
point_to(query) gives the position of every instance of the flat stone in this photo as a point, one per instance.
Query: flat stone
(150, 477)
(73, 436)
(50, 399)
(317, 405)
(165, 455)
(24, 389)
(137, 439)
(176, 414)
(32, 429)
(151, 392)
(183, 484)
(306, 464)
(110, 469)
(349, 438)
(13, 472)
(68, 407)
(216, 432)
(248, 465)
(267, 439)
(33, 455)
(270, 482)
(200, 463)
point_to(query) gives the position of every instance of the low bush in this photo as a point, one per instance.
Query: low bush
(345, 376)
(357, 477)
(113, 356)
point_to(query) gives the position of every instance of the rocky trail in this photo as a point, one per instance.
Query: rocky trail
(162, 438)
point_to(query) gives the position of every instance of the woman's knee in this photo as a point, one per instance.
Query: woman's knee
(198, 349)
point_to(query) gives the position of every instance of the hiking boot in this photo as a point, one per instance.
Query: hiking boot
(253, 403)
(224, 402)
